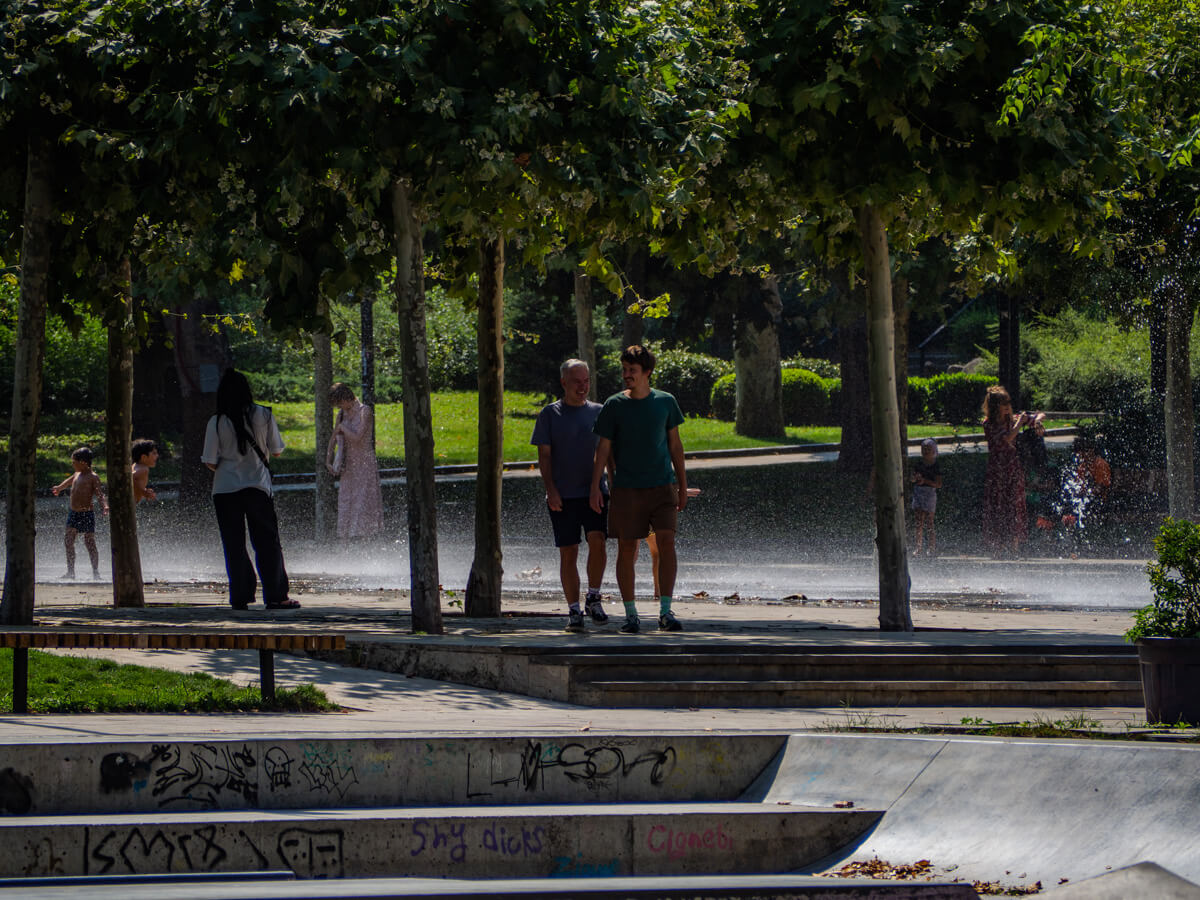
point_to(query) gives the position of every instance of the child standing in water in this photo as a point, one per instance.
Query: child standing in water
(926, 480)
(85, 487)
(145, 458)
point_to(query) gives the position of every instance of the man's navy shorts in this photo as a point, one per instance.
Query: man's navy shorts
(577, 516)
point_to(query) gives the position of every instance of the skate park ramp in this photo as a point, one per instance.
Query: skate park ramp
(1015, 811)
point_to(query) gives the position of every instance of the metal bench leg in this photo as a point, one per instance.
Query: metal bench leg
(20, 680)
(266, 667)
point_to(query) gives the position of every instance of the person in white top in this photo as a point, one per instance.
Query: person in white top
(236, 445)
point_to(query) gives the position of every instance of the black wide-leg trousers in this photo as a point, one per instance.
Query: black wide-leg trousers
(253, 510)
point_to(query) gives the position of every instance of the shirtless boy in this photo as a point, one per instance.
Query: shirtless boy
(85, 487)
(145, 458)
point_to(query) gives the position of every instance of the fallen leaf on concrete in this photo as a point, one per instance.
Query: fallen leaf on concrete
(878, 868)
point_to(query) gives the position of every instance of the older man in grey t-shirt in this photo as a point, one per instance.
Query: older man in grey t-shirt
(566, 449)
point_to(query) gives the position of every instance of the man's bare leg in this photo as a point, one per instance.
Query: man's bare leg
(627, 550)
(596, 561)
(568, 573)
(668, 566)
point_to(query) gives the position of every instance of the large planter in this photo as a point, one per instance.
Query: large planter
(1170, 679)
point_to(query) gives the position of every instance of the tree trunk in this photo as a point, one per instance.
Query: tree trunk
(633, 324)
(201, 358)
(483, 584)
(326, 493)
(854, 454)
(1158, 345)
(900, 309)
(756, 360)
(585, 327)
(118, 424)
(366, 320)
(425, 590)
(1009, 355)
(16, 607)
(894, 614)
(1177, 410)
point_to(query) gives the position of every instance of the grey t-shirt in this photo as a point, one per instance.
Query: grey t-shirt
(567, 430)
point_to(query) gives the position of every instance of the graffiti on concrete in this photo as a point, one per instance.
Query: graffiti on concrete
(137, 851)
(328, 771)
(42, 860)
(202, 772)
(595, 767)
(308, 852)
(523, 843)
(566, 867)
(278, 766)
(313, 853)
(16, 792)
(436, 836)
(199, 774)
(678, 844)
(454, 839)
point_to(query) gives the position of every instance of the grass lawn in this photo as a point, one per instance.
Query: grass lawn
(76, 684)
(455, 425)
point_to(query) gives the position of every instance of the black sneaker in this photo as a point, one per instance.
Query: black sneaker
(595, 609)
(668, 622)
(575, 621)
(631, 626)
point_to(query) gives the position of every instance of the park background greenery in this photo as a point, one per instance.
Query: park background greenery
(1073, 362)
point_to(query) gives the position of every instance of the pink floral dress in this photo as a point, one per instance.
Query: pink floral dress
(360, 499)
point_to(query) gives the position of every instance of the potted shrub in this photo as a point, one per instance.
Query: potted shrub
(1167, 632)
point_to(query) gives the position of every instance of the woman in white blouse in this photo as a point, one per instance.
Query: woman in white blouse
(236, 445)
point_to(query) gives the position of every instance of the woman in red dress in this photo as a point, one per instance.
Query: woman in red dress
(1004, 518)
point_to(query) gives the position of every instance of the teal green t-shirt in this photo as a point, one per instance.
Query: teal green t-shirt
(638, 431)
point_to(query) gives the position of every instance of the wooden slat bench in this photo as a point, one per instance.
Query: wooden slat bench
(22, 640)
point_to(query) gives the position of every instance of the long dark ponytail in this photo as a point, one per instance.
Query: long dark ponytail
(234, 401)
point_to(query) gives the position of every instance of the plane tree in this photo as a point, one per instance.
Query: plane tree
(889, 121)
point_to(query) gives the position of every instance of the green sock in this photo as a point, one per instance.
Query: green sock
(630, 609)
(664, 604)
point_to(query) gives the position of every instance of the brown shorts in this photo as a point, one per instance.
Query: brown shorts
(632, 512)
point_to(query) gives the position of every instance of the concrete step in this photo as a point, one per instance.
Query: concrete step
(569, 673)
(800, 666)
(105, 777)
(863, 692)
(459, 842)
(710, 887)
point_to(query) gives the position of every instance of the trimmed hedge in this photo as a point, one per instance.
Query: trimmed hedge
(690, 377)
(723, 399)
(826, 368)
(957, 397)
(918, 399)
(805, 398)
(809, 399)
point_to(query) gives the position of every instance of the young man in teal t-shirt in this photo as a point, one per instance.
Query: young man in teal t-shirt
(639, 431)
